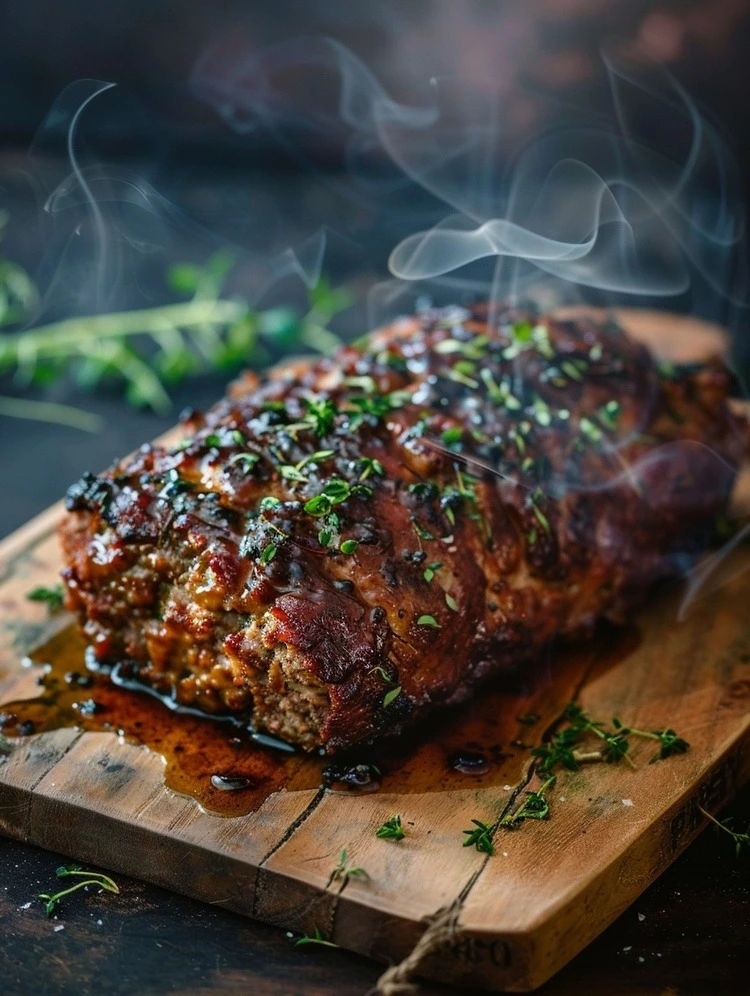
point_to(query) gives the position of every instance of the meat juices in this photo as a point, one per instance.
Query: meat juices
(347, 544)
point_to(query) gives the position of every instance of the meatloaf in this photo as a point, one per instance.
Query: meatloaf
(337, 549)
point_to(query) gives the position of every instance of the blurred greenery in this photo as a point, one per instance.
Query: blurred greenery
(150, 349)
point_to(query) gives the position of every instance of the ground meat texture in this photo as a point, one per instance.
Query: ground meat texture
(338, 549)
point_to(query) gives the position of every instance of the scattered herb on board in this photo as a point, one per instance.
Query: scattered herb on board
(54, 597)
(535, 806)
(346, 871)
(582, 740)
(480, 837)
(97, 879)
(317, 938)
(391, 829)
(741, 839)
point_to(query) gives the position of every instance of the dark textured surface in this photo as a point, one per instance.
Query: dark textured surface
(686, 935)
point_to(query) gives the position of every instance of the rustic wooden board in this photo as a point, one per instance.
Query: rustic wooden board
(504, 922)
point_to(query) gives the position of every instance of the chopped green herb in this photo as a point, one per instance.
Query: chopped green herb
(453, 436)
(324, 537)
(317, 938)
(321, 415)
(590, 430)
(391, 695)
(608, 414)
(391, 829)
(269, 504)
(269, 552)
(363, 383)
(245, 461)
(213, 440)
(424, 490)
(349, 546)
(97, 879)
(429, 571)
(367, 466)
(536, 806)
(741, 839)
(346, 871)
(451, 602)
(458, 377)
(290, 473)
(428, 621)
(54, 597)
(480, 837)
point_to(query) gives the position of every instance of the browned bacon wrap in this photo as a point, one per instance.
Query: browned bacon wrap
(341, 547)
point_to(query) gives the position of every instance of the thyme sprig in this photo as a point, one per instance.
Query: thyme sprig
(480, 837)
(741, 838)
(567, 750)
(394, 689)
(345, 871)
(148, 349)
(317, 938)
(97, 879)
(535, 807)
(392, 829)
(54, 596)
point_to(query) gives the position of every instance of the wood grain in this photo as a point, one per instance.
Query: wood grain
(508, 921)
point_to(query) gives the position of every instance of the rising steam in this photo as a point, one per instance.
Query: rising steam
(589, 206)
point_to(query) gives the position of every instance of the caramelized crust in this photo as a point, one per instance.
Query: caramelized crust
(339, 548)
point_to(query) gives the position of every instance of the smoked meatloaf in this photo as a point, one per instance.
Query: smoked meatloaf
(335, 550)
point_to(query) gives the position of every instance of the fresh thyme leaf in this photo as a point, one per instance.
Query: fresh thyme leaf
(54, 597)
(428, 621)
(391, 829)
(349, 546)
(317, 938)
(429, 571)
(452, 437)
(391, 695)
(246, 462)
(535, 807)
(394, 689)
(345, 871)
(480, 837)
(741, 838)
(451, 602)
(269, 552)
(97, 879)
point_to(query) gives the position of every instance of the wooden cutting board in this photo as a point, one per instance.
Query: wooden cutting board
(506, 921)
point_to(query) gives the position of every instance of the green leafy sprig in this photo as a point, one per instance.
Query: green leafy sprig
(149, 349)
(392, 829)
(86, 878)
(54, 596)
(741, 838)
(480, 837)
(317, 938)
(345, 871)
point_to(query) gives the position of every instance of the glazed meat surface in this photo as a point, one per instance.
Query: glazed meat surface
(336, 550)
